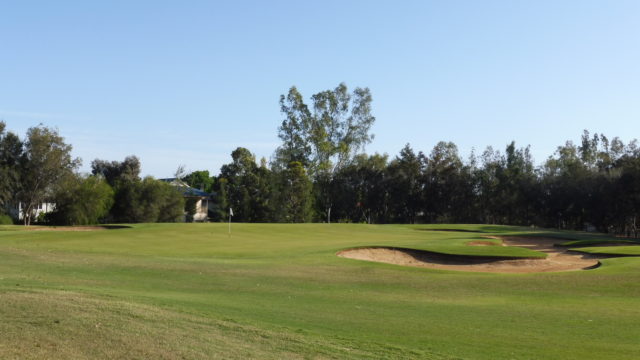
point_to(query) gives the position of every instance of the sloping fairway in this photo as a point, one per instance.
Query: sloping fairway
(272, 291)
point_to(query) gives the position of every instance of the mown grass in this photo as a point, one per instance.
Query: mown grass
(633, 250)
(278, 291)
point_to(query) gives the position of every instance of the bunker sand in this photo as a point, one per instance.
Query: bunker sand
(558, 258)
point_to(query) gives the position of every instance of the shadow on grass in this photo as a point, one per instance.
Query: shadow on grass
(590, 243)
(480, 229)
(443, 258)
(454, 230)
(115, 227)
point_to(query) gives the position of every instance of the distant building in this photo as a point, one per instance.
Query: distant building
(17, 211)
(203, 200)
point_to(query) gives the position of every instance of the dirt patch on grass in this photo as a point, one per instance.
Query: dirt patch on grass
(558, 258)
(74, 228)
(482, 243)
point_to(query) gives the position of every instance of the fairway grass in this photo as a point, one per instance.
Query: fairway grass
(174, 291)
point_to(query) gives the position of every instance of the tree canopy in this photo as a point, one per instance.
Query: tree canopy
(325, 137)
(321, 173)
(46, 161)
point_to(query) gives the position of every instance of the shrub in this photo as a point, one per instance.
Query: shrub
(5, 220)
(148, 200)
(82, 201)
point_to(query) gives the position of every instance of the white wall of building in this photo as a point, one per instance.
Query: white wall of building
(43, 208)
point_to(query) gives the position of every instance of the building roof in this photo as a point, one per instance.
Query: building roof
(186, 190)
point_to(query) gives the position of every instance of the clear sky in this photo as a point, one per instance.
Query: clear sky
(186, 82)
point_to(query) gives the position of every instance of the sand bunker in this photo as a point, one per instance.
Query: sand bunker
(558, 258)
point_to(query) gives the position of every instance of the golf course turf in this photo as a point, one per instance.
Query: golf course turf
(174, 291)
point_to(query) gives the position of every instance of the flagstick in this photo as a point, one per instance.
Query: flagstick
(229, 225)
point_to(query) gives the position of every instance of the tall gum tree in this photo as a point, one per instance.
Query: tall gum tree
(10, 154)
(45, 163)
(327, 138)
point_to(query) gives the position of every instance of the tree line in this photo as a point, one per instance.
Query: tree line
(593, 185)
(320, 173)
(40, 169)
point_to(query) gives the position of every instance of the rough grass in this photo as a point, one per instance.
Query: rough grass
(68, 325)
(278, 291)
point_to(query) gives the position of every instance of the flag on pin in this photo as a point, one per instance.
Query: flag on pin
(230, 212)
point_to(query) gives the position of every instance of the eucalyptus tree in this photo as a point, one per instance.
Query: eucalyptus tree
(245, 187)
(294, 131)
(405, 185)
(200, 180)
(115, 171)
(124, 178)
(326, 136)
(568, 181)
(239, 177)
(10, 154)
(45, 163)
(517, 185)
(373, 196)
(294, 201)
(625, 199)
(487, 178)
(82, 200)
(361, 191)
(445, 193)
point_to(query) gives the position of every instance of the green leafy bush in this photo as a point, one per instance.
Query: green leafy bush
(82, 200)
(5, 220)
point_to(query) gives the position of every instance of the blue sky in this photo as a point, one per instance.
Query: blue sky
(187, 82)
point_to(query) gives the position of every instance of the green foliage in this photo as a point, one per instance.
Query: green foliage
(5, 220)
(46, 163)
(199, 180)
(149, 200)
(326, 139)
(221, 204)
(139, 200)
(295, 198)
(11, 149)
(244, 186)
(405, 185)
(295, 129)
(82, 201)
(448, 186)
(190, 208)
(115, 171)
(360, 190)
(43, 219)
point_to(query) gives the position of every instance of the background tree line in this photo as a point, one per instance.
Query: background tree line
(591, 185)
(40, 169)
(321, 173)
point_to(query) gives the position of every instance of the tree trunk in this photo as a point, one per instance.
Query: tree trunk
(27, 215)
